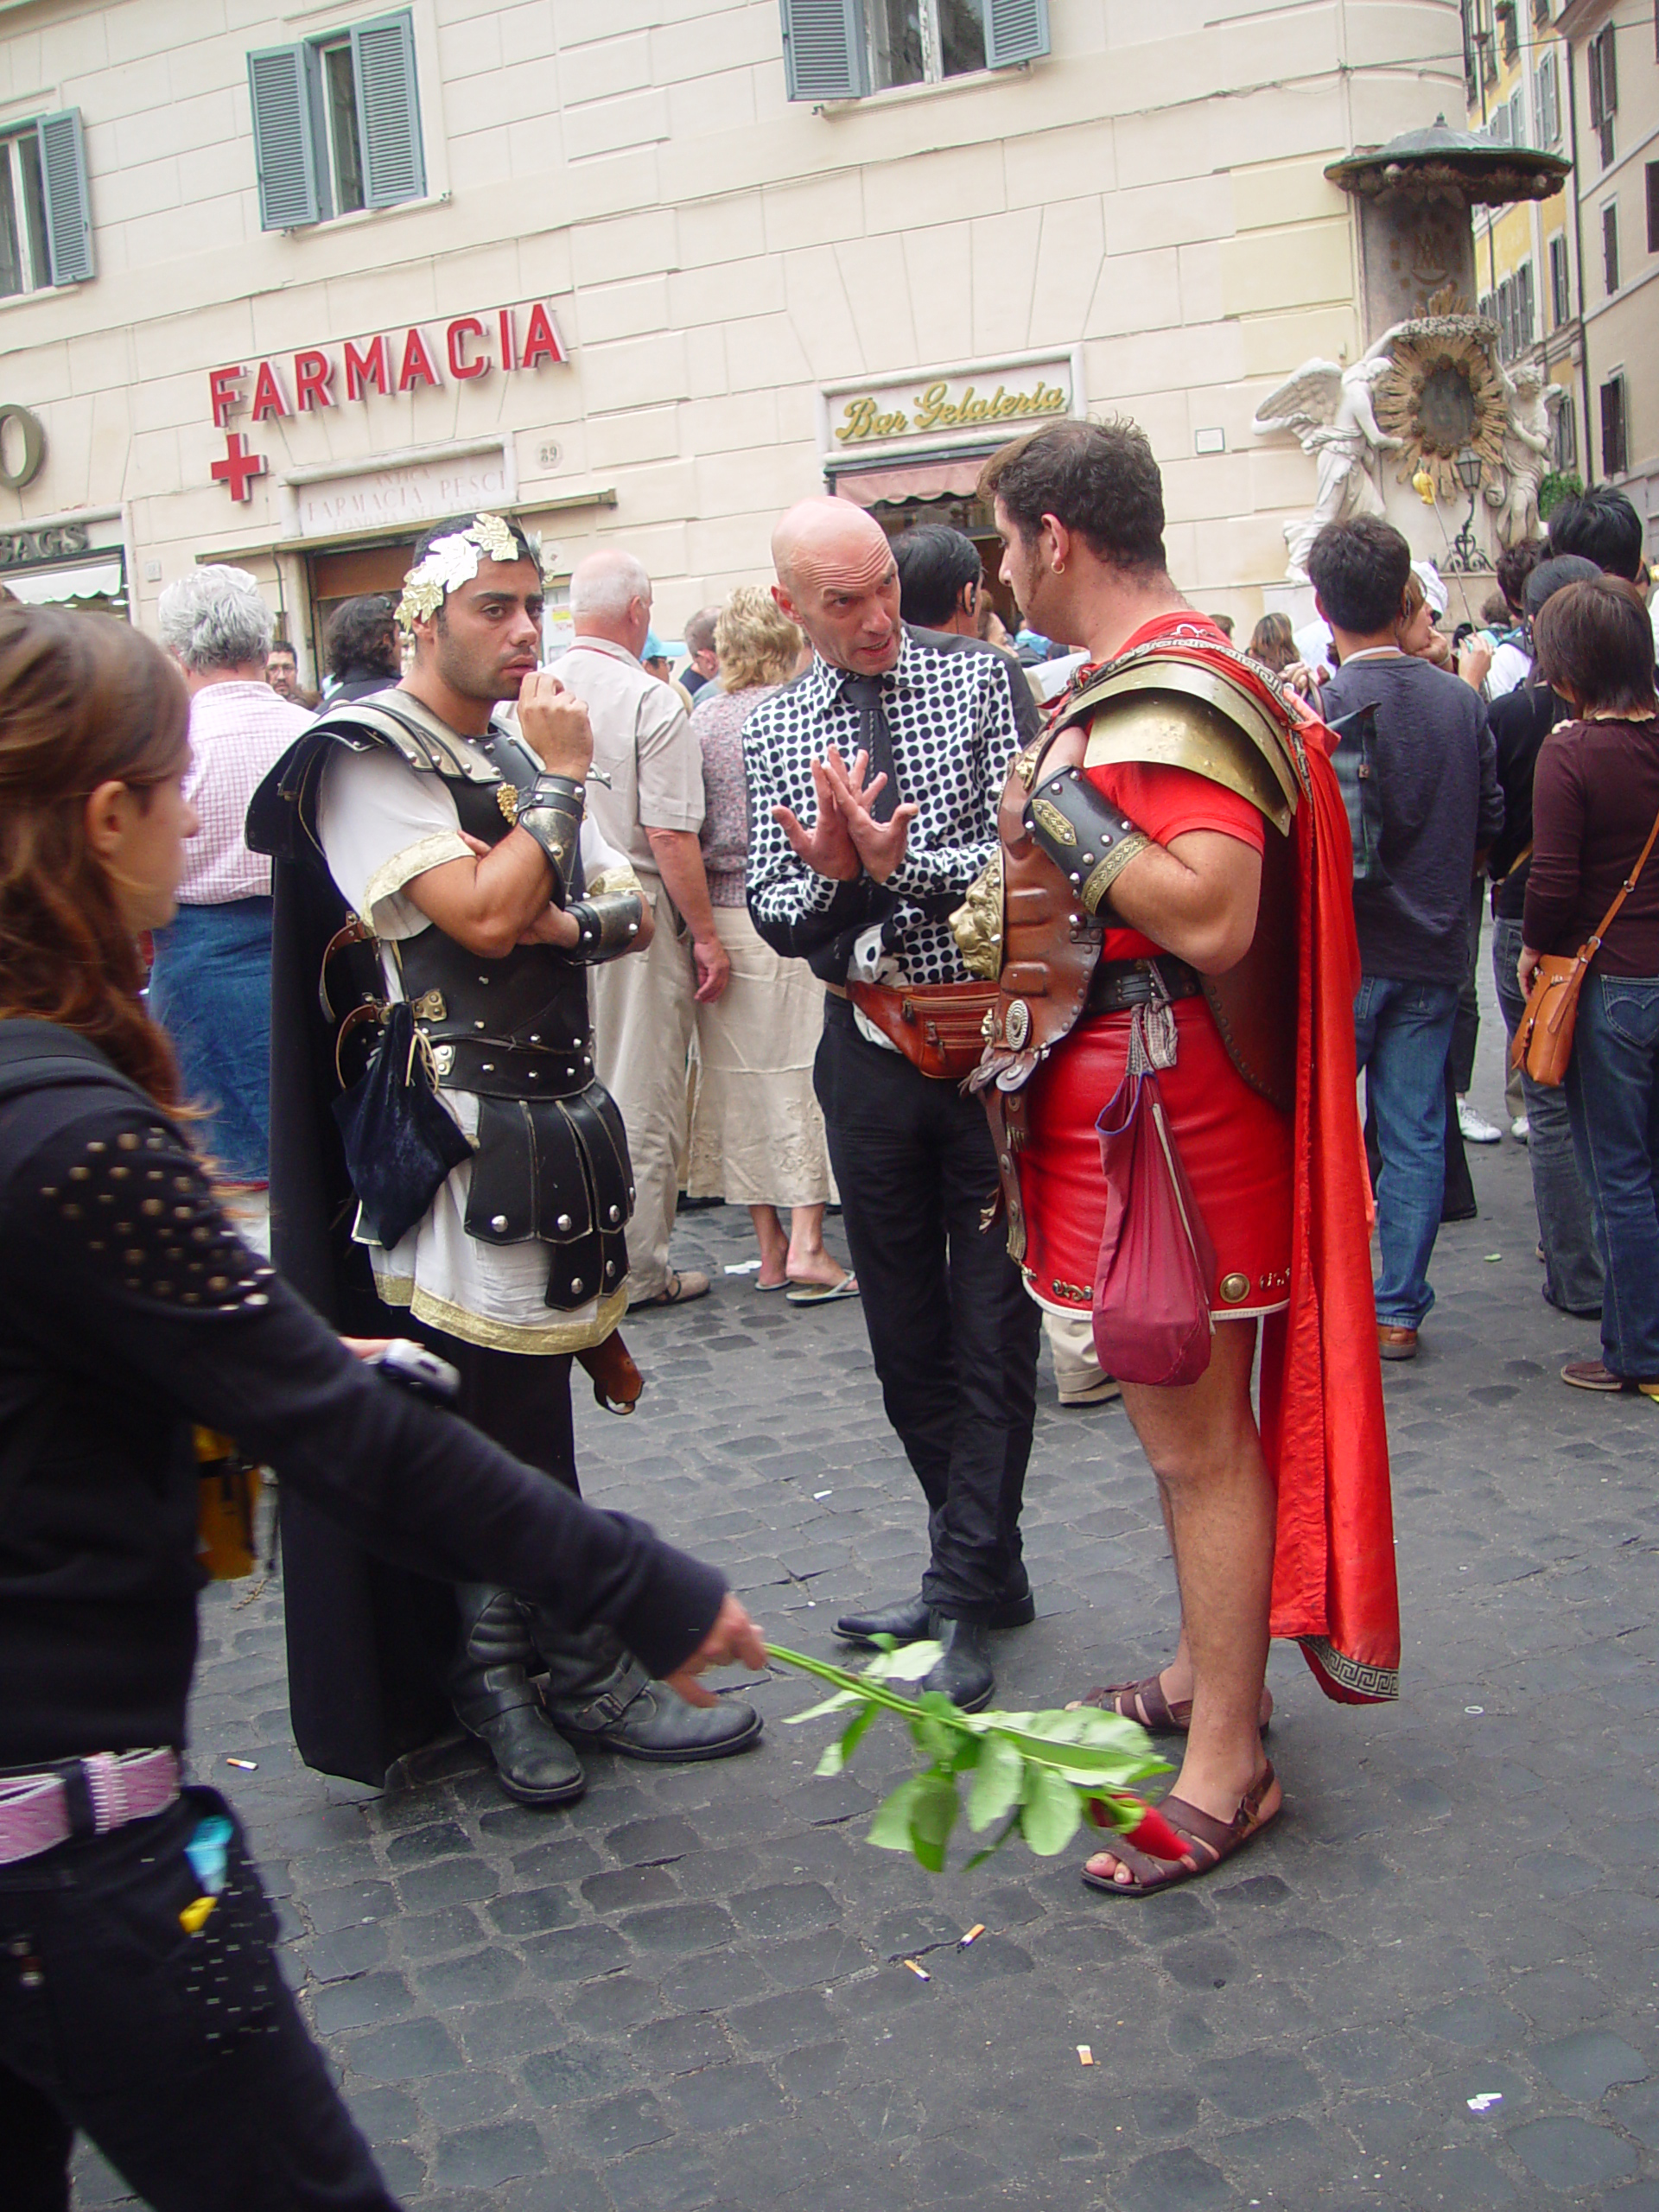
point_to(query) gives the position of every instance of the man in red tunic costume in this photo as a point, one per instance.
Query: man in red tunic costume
(1177, 836)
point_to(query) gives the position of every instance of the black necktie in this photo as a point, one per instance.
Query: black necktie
(864, 692)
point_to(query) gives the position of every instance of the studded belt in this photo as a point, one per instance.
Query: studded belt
(1116, 985)
(497, 1071)
(82, 1797)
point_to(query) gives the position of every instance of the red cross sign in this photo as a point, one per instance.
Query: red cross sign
(239, 466)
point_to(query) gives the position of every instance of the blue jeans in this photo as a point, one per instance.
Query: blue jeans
(1612, 1095)
(210, 989)
(1403, 1032)
(1567, 1219)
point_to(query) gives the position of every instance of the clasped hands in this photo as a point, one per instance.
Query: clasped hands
(847, 841)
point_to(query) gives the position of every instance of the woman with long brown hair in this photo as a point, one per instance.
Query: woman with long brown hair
(140, 1998)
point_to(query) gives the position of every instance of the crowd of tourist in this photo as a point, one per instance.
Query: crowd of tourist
(483, 965)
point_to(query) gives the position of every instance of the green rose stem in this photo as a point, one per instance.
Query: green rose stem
(1039, 1773)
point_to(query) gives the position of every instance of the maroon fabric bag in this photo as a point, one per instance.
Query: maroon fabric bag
(1156, 1263)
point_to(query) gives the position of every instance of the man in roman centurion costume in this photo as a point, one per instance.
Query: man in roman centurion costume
(1176, 842)
(440, 887)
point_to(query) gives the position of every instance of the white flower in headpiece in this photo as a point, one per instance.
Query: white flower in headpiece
(452, 561)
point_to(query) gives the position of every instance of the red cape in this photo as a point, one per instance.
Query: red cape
(1323, 1430)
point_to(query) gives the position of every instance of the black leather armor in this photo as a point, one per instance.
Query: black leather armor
(552, 1161)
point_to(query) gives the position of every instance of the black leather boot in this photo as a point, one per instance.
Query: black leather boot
(496, 1701)
(907, 1621)
(598, 1692)
(963, 1672)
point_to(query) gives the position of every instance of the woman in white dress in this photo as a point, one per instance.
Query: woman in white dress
(757, 1134)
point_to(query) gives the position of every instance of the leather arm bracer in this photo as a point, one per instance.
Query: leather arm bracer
(608, 925)
(550, 811)
(1087, 839)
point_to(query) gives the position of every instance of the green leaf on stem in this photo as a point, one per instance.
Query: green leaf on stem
(837, 1754)
(889, 1828)
(998, 1783)
(933, 1814)
(1051, 1812)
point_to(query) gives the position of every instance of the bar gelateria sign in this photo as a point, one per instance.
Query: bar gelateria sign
(1000, 402)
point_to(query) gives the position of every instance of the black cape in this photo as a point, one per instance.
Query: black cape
(367, 1642)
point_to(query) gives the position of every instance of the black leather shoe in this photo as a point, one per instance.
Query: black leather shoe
(599, 1693)
(963, 1673)
(533, 1764)
(908, 1622)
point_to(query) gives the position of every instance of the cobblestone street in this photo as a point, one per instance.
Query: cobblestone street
(1433, 1984)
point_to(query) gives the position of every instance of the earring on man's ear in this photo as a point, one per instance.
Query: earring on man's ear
(1059, 568)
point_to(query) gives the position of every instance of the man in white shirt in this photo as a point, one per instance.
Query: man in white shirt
(210, 987)
(645, 1010)
(467, 852)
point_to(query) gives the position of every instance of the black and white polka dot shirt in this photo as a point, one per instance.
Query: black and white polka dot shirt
(951, 707)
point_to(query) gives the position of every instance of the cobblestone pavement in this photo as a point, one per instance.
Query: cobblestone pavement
(1433, 1983)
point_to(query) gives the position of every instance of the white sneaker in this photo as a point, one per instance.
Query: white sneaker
(1518, 1128)
(1475, 1131)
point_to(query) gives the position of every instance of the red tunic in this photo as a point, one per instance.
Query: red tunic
(1334, 1589)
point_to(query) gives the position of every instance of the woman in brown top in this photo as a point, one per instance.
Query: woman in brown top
(1595, 798)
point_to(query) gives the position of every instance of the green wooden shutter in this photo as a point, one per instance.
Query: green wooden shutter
(825, 55)
(284, 138)
(1015, 30)
(388, 111)
(68, 204)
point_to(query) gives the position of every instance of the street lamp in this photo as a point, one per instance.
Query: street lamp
(1465, 557)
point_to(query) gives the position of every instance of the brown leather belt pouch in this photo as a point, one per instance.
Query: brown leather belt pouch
(939, 1027)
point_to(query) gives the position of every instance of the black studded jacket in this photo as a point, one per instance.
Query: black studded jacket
(128, 1309)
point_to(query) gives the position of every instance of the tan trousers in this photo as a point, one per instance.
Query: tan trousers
(643, 1017)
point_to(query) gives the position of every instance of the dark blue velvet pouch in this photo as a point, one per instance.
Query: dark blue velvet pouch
(399, 1141)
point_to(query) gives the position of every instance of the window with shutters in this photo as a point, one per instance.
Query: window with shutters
(1565, 448)
(337, 123)
(1518, 119)
(1652, 173)
(45, 225)
(843, 50)
(1547, 102)
(1560, 287)
(1600, 62)
(1615, 449)
(1609, 247)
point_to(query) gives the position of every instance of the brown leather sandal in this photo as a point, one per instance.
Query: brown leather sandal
(1146, 1702)
(1209, 1841)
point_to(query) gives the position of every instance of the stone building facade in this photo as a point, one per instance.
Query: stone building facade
(283, 287)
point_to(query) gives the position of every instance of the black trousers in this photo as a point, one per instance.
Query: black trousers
(953, 1334)
(521, 1400)
(183, 2057)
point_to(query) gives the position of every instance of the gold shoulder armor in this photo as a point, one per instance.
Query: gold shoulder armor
(1183, 716)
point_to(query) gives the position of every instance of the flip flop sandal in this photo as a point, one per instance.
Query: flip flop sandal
(803, 1294)
(1209, 1841)
(783, 1285)
(1145, 1702)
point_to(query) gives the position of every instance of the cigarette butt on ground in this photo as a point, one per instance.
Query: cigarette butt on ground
(248, 1766)
(1085, 2056)
(972, 1936)
(920, 1972)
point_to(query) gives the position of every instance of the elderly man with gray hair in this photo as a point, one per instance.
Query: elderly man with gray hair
(644, 1008)
(210, 987)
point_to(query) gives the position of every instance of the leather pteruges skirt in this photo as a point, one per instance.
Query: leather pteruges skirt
(1235, 1145)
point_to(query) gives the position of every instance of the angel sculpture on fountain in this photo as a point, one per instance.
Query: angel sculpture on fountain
(1529, 434)
(1329, 408)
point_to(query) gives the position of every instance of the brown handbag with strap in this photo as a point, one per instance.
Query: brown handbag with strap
(939, 1027)
(1543, 1042)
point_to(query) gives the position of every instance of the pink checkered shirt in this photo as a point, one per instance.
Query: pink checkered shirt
(237, 733)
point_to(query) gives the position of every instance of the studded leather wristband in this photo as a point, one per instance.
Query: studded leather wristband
(607, 926)
(550, 811)
(1086, 837)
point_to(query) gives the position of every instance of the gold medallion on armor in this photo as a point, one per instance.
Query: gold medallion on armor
(1016, 1024)
(1049, 818)
(506, 797)
(1234, 1288)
